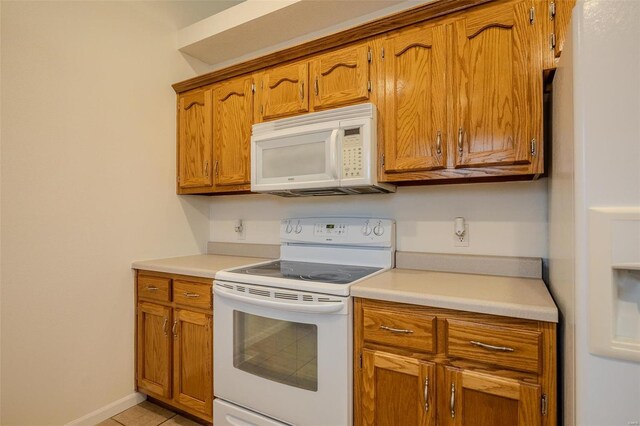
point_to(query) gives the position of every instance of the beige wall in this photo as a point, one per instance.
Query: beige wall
(88, 169)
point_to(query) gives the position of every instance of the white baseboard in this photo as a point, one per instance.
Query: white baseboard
(109, 410)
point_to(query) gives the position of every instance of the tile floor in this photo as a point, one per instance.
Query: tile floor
(148, 414)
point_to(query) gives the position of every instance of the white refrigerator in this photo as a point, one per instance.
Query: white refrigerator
(594, 214)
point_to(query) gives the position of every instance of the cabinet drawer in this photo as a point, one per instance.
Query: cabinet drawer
(501, 346)
(153, 288)
(400, 328)
(192, 294)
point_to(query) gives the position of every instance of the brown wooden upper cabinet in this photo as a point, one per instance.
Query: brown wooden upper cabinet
(232, 121)
(415, 105)
(283, 91)
(495, 76)
(341, 77)
(195, 145)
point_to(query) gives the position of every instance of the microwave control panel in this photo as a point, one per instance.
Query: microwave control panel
(352, 153)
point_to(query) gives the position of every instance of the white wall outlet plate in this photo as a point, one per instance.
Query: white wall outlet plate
(462, 241)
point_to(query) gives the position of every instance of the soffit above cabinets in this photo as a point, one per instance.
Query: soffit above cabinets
(255, 27)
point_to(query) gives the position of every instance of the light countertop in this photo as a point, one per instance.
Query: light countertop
(526, 298)
(202, 265)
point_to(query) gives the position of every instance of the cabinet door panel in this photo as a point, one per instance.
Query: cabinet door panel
(341, 77)
(494, 76)
(154, 349)
(193, 360)
(397, 390)
(416, 100)
(194, 139)
(476, 399)
(232, 119)
(283, 91)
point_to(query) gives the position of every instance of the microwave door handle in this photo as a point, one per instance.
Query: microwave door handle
(333, 153)
(313, 308)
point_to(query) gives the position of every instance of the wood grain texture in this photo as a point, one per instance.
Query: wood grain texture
(493, 73)
(376, 27)
(154, 288)
(340, 77)
(232, 121)
(154, 349)
(193, 361)
(423, 327)
(561, 22)
(415, 100)
(195, 145)
(394, 390)
(284, 91)
(526, 345)
(192, 294)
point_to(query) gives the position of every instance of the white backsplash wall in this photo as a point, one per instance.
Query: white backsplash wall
(505, 219)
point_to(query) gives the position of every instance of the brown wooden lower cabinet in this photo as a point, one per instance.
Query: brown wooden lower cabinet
(174, 341)
(462, 377)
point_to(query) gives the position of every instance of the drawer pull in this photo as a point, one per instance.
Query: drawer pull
(491, 347)
(396, 330)
(191, 295)
(150, 288)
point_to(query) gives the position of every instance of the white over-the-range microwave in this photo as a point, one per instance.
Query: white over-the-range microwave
(331, 152)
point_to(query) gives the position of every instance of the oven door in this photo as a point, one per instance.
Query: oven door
(285, 354)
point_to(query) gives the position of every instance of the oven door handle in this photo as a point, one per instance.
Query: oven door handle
(306, 307)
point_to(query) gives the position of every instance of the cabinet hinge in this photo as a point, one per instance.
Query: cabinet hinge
(382, 161)
(253, 87)
(361, 360)
(534, 148)
(262, 84)
(369, 85)
(178, 179)
(544, 404)
(369, 56)
(552, 41)
(261, 109)
(552, 10)
(532, 15)
(382, 53)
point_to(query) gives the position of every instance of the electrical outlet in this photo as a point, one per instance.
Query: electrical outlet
(240, 229)
(462, 241)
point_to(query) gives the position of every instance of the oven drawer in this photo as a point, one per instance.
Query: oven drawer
(153, 288)
(501, 346)
(192, 294)
(400, 327)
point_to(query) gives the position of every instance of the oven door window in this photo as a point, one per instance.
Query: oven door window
(282, 351)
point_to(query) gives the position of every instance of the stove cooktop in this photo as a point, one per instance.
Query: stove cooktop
(308, 271)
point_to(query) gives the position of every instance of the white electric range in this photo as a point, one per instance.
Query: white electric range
(283, 329)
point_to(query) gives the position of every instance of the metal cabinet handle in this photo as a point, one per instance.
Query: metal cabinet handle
(491, 347)
(164, 326)
(173, 329)
(439, 142)
(396, 330)
(460, 139)
(317, 88)
(302, 91)
(150, 288)
(191, 295)
(426, 394)
(452, 402)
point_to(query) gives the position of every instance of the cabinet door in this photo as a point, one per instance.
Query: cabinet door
(397, 390)
(154, 349)
(415, 100)
(341, 77)
(474, 399)
(283, 91)
(498, 112)
(193, 360)
(232, 120)
(195, 147)
(560, 12)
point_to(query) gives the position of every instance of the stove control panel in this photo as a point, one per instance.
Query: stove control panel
(339, 231)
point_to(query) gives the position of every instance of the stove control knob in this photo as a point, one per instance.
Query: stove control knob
(289, 228)
(298, 228)
(378, 229)
(366, 229)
